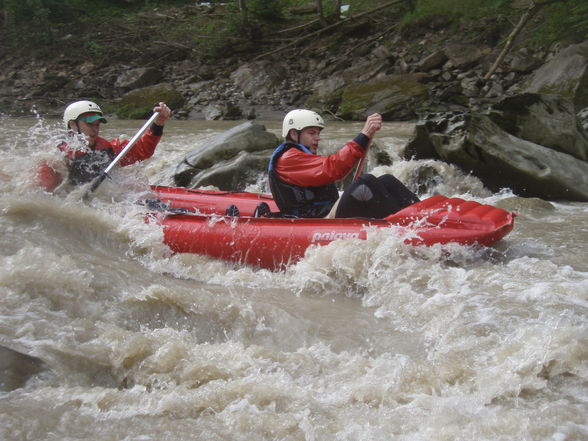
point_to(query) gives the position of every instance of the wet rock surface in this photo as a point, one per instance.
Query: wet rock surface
(520, 151)
(17, 368)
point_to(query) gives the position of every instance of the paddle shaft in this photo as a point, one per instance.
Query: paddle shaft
(362, 162)
(100, 178)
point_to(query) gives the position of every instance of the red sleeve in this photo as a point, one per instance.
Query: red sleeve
(143, 148)
(308, 170)
(47, 177)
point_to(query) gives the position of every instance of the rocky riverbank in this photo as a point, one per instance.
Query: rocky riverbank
(357, 67)
(533, 141)
(520, 123)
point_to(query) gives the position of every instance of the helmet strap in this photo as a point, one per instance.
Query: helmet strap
(76, 130)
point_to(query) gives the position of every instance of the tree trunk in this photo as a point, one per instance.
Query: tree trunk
(338, 10)
(314, 34)
(321, 13)
(527, 15)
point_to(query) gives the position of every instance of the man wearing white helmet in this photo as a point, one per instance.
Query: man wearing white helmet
(84, 164)
(303, 183)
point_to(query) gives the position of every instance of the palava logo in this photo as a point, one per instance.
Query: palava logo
(333, 235)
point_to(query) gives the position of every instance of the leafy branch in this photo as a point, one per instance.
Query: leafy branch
(529, 13)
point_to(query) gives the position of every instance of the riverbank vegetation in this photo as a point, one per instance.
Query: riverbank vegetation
(214, 30)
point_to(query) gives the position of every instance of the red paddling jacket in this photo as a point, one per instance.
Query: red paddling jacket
(85, 166)
(303, 183)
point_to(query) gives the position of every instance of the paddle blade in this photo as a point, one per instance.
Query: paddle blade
(94, 185)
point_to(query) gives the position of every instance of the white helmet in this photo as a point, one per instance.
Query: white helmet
(299, 119)
(75, 109)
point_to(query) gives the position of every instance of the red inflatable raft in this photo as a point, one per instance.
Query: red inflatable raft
(274, 243)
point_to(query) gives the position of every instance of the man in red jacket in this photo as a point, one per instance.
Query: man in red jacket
(88, 161)
(303, 183)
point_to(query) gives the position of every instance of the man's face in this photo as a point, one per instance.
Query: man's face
(89, 130)
(310, 137)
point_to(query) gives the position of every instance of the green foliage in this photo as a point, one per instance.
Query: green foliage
(579, 18)
(43, 12)
(268, 9)
(83, 27)
(219, 39)
(238, 31)
(455, 9)
(95, 48)
(37, 24)
(562, 20)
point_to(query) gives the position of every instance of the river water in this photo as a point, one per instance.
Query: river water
(361, 340)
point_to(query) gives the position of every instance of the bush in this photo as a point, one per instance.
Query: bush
(267, 9)
(456, 8)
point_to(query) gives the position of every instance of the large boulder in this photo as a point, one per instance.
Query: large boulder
(523, 61)
(258, 78)
(394, 97)
(139, 103)
(420, 144)
(234, 174)
(566, 75)
(326, 93)
(464, 56)
(547, 120)
(478, 145)
(432, 61)
(139, 77)
(226, 155)
(17, 368)
(225, 111)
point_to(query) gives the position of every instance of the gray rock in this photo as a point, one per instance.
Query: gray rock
(139, 103)
(477, 145)
(86, 68)
(236, 173)
(494, 90)
(432, 61)
(329, 85)
(391, 97)
(463, 56)
(470, 86)
(17, 368)
(247, 137)
(547, 120)
(364, 70)
(525, 205)
(565, 74)
(258, 78)
(212, 112)
(381, 52)
(137, 78)
(420, 145)
(583, 118)
(521, 61)
(447, 76)
(199, 86)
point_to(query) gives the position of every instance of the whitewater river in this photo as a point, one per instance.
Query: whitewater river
(361, 340)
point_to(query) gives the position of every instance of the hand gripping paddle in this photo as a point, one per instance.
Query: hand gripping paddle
(102, 176)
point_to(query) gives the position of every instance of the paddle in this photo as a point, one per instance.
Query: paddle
(102, 176)
(362, 162)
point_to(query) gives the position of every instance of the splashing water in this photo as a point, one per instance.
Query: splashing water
(361, 340)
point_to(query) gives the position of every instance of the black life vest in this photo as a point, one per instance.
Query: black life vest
(85, 166)
(295, 200)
